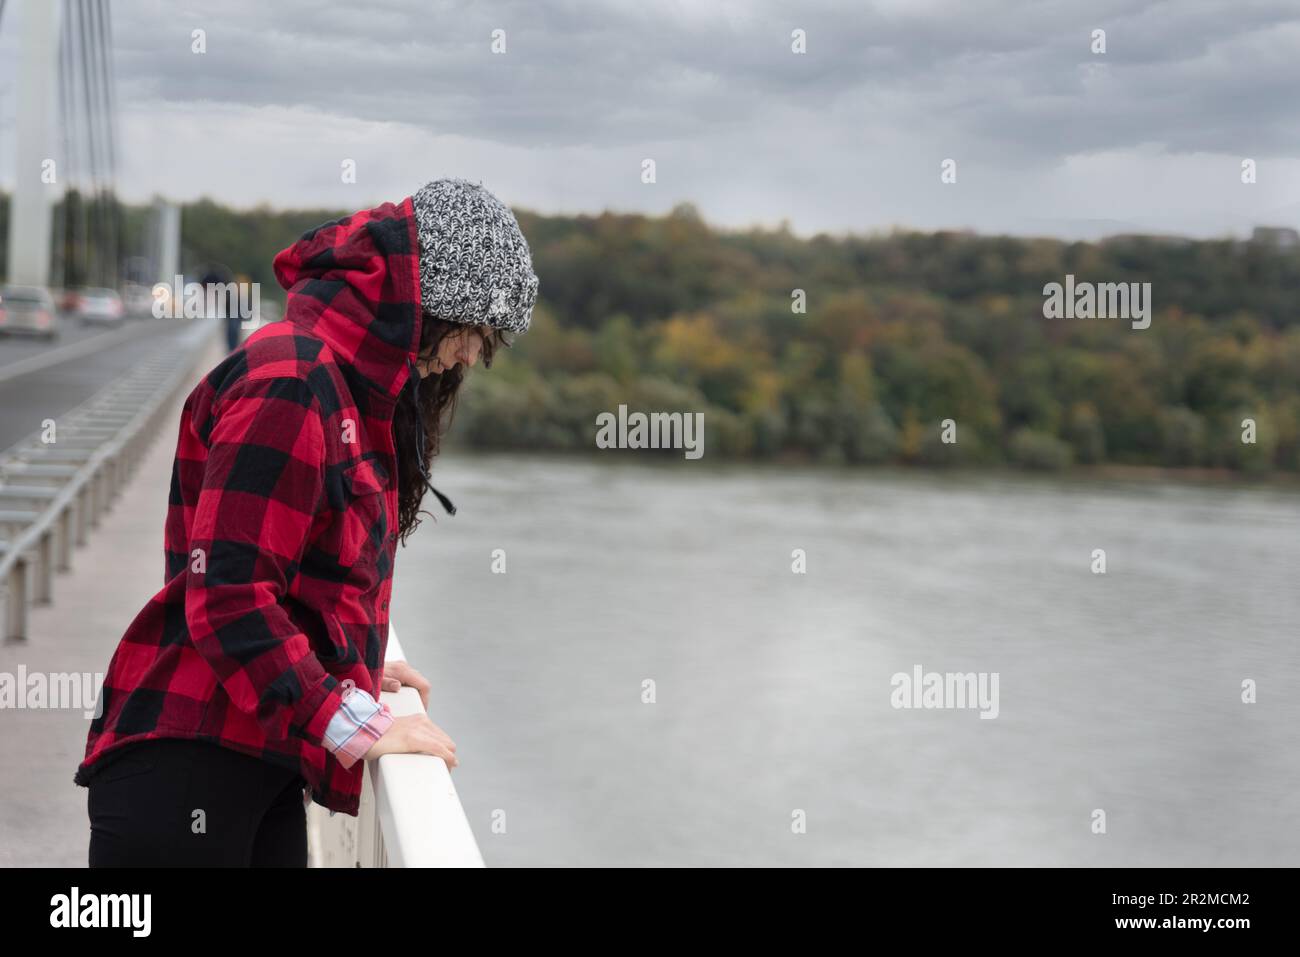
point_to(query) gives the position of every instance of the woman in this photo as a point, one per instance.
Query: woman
(302, 461)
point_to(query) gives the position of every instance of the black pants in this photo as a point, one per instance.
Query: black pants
(176, 803)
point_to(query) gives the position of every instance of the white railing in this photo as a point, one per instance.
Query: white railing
(410, 815)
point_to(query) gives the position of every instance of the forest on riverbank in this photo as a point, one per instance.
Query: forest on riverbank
(898, 332)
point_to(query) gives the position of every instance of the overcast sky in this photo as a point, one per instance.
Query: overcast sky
(1049, 138)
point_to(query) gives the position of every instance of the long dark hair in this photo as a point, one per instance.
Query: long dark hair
(437, 406)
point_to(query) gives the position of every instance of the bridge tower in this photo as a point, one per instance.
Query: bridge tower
(31, 207)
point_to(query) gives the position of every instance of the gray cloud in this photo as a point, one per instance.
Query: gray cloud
(848, 136)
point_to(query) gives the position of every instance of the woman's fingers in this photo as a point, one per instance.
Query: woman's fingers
(439, 749)
(433, 740)
(419, 682)
(404, 674)
(444, 737)
(415, 734)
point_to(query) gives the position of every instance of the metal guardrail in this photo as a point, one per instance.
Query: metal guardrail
(52, 493)
(410, 814)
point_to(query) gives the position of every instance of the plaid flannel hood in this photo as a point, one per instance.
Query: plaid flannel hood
(281, 525)
(355, 284)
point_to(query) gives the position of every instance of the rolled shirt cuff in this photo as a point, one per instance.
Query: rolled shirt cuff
(356, 726)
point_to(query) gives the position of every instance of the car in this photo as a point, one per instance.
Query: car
(100, 305)
(28, 310)
(138, 299)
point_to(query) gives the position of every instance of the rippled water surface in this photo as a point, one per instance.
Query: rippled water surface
(1119, 692)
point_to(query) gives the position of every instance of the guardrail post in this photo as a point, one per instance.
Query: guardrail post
(83, 507)
(96, 497)
(110, 482)
(45, 569)
(16, 612)
(65, 538)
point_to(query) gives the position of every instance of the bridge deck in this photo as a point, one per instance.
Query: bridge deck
(42, 813)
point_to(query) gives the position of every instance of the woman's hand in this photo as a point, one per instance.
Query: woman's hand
(415, 734)
(398, 673)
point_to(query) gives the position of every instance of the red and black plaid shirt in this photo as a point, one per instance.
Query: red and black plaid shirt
(281, 522)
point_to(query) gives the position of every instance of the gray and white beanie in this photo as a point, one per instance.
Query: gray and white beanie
(475, 265)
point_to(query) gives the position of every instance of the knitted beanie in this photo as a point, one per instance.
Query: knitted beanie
(475, 266)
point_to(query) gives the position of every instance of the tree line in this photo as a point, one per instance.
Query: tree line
(858, 349)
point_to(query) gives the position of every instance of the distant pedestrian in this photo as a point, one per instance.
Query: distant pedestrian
(218, 292)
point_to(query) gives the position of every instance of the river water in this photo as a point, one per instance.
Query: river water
(772, 737)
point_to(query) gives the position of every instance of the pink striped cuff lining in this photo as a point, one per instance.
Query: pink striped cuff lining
(356, 726)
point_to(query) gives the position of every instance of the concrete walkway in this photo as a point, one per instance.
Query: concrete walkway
(43, 819)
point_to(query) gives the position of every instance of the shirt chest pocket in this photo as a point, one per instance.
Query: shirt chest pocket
(364, 522)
